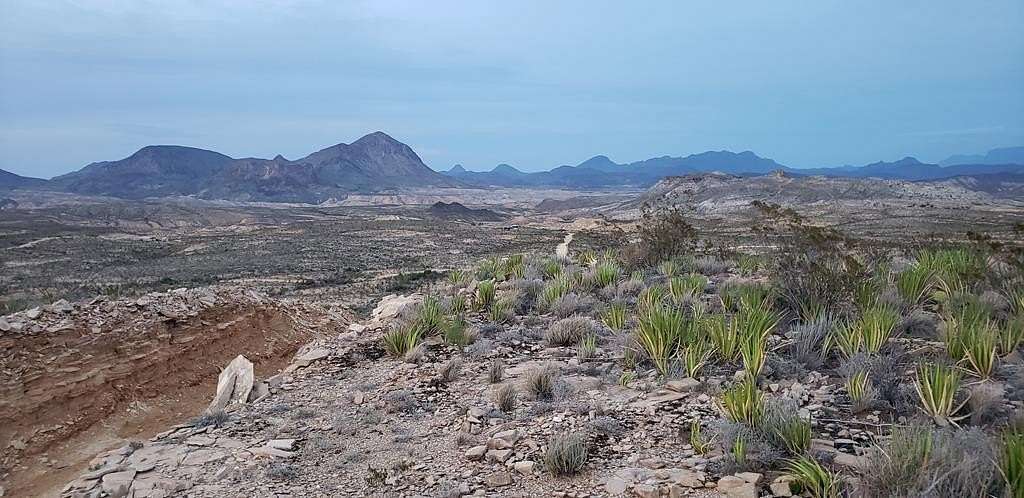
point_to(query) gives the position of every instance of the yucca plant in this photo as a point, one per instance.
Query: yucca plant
(744, 403)
(739, 451)
(756, 321)
(700, 445)
(963, 323)
(400, 340)
(915, 283)
(587, 257)
(668, 268)
(955, 269)
(695, 356)
(1011, 462)
(614, 316)
(553, 291)
(650, 297)
(877, 325)
(795, 433)
(861, 390)
(687, 286)
(456, 333)
(490, 269)
(431, 316)
(755, 295)
(458, 277)
(587, 348)
(981, 350)
(725, 335)
(658, 332)
(937, 386)
(501, 311)
(457, 305)
(626, 378)
(753, 349)
(551, 268)
(1011, 335)
(606, 273)
(814, 479)
(484, 294)
(846, 337)
(748, 264)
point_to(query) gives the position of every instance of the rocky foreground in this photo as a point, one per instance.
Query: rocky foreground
(346, 420)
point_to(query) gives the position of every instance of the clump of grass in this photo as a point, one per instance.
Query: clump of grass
(506, 397)
(614, 316)
(569, 331)
(586, 349)
(658, 332)
(744, 403)
(937, 386)
(484, 294)
(551, 293)
(808, 346)
(540, 382)
(399, 341)
(814, 479)
(457, 305)
(495, 371)
(748, 264)
(566, 455)
(214, 418)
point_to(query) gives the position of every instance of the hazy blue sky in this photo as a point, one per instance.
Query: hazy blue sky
(534, 84)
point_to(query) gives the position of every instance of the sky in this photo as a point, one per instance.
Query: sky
(535, 84)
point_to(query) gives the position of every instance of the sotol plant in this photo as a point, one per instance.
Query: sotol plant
(658, 332)
(814, 479)
(744, 403)
(614, 316)
(937, 386)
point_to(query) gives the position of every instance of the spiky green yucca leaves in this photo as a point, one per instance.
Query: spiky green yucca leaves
(915, 283)
(696, 355)
(861, 391)
(515, 266)
(401, 340)
(587, 348)
(1011, 335)
(748, 264)
(964, 324)
(457, 305)
(614, 316)
(754, 325)
(553, 291)
(659, 331)
(795, 433)
(736, 294)
(1011, 462)
(937, 386)
(484, 294)
(744, 403)
(456, 332)
(606, 274)
(687, 286)
(551, 268)
(700, 445)
(587, 257)
(739, 451)
(981, 351)
(501, 310)
(955, 270)
(457, 277)
(753, 350)
(867, 334)
(725, 335)
(430, 318)
(815, 480)
(490, 269)
(650, 297)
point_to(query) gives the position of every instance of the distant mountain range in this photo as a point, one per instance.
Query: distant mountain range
(379, 163)
(601, 172)
(373, 163)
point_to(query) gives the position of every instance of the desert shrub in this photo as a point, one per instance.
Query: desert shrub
(540, 382)
(495, 371)
(937, 386)
(566, 454)
(457, 333)
(608, 426)
(400, 401)
(569, 331)
(814, 479)
(710, 265)
(921, 461)
(956, 270)
(506, 397)
(743, 403)
(485, 291)
(986, 403)
(399, 341)
(215, 418)
(745, 447)
(281, 471)
(526, 292)
(450, 370)
(815, 280)
(663, 232)
(571, 304)
(808, 342)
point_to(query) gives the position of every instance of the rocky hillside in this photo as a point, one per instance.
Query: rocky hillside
(375, 162)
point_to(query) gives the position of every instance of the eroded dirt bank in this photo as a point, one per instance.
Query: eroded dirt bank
(76, 379)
